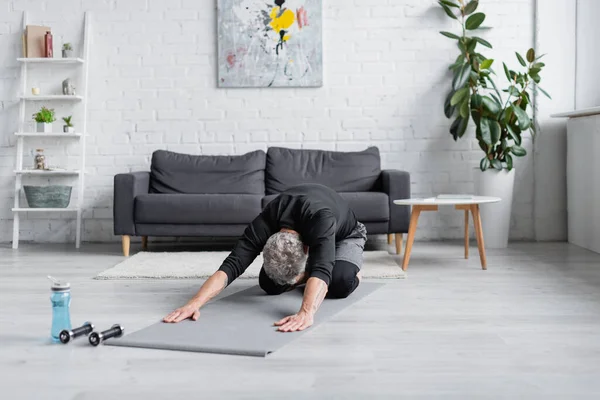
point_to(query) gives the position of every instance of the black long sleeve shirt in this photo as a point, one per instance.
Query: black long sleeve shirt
(319, 214)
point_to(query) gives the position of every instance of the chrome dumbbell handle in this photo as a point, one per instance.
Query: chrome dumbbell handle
(66, 335)
(98, 337)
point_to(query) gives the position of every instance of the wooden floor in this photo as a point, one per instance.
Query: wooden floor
(528, 327)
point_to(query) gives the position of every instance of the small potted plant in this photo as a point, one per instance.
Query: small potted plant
(67, 50)
(44, 118)
(68, 127)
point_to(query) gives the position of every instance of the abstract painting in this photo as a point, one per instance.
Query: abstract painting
(270, 43)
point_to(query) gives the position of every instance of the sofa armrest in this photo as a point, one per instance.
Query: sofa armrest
(396, 184)
(127, 187)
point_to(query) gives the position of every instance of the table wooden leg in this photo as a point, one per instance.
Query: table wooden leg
(412, 228)
(390, 238)
(479, 234)
(144, 242)
(466, 234)
(399, 239)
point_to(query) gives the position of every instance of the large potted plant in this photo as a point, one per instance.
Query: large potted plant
(500, 121)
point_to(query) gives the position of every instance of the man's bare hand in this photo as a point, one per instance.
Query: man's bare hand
(182, 313)
(296, 322)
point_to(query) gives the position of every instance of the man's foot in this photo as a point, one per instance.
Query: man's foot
(359, 276)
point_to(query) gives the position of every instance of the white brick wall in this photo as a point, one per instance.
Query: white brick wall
(153, 86)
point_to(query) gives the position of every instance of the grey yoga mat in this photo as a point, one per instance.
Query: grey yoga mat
(240, 324)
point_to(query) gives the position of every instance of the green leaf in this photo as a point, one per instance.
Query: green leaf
(448, 10)
(483, 146)
(490, 105)
(449, 3)
(537, 58)
(544, 92)
(522, 117)
(497, 164)
(464, 108)
(476, 101)
(459, 96)
(536, 78)
(509, 162)
(448, 108)
(521, 60)
(484, 163)
(474, 21)
(490, 131)
(462, 127)
(472, 6)
(524, 100)
(534, 70)
(514, 134)
(539, 65)
(507, 72)
(531, 55)
(513, 91)
(459, 126)
(483, 42)
(518, 151)
(450, 35)
(496, 99)
(462, 77)
(471, 45)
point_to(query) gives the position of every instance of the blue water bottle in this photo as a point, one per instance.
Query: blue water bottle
(61, 303)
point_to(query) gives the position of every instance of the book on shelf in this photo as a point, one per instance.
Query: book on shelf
(34, 41)
(455, 197)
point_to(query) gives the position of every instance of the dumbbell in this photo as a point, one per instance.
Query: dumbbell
(67, 335)
(115, 331)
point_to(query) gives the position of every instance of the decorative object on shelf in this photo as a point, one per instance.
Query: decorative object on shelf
(68, 88)
(499, 124)
(44, 118)
(67, 50)
(282, 38)
(49, 51)
(68, 127)
(35, 91)
(39, 160)
(34, 45)
(55, 196)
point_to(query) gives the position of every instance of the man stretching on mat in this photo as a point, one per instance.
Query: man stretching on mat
(308, 234)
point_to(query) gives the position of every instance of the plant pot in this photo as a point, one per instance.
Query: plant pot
(44, 127)
(48, 196)
(68, 129)
(495, 217)
(67, 53)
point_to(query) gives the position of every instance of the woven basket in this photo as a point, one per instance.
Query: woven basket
(48, 196)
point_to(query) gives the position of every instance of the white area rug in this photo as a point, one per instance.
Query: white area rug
(185, 265)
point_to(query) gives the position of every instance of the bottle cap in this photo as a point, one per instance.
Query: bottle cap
(58, 286)
(61, 286)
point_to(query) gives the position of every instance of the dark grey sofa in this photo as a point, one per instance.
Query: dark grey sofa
(217, 196)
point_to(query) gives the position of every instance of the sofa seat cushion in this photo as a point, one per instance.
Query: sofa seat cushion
(342, 171)
(367, 206)
(182, 173)
(196, 208)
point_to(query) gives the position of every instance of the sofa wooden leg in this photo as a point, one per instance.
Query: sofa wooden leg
(144, 242)
(390, 238)
(399, 239)
(126, 242)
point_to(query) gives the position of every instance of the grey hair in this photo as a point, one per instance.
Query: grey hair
(284, 257)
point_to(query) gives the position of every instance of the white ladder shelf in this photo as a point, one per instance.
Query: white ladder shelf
(22, 134)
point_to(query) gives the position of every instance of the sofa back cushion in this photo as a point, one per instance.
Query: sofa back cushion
(182, 173)
(343, 172)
